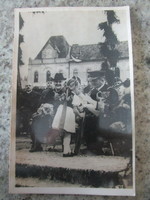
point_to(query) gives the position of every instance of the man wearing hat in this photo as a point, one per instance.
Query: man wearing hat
(98, 83)
(59, 90)
(50, 96)
(59, 82)
(91, 121)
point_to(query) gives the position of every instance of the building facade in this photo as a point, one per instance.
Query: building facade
(57, 56)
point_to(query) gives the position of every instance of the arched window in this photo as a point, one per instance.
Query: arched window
(48, 76)
(87, 72)
(61, 71)
(75, 72)
(36, 77)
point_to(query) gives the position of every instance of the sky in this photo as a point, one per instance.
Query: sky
(78, 27)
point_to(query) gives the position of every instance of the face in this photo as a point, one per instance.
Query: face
(58, 85)
(89, 80)
(75, 73)
(72, 87)
(49, 84)
(28, 88)
(98, 82)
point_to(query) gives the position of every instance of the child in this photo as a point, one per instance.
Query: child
(64, 120)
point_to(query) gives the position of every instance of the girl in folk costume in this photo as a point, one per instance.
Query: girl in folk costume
(64, 119)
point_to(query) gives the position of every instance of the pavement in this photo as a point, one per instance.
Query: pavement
(82, 162)
(51, 168)
(86, 161)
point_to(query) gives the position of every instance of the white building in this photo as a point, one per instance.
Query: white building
(53, 58)
(58, 56)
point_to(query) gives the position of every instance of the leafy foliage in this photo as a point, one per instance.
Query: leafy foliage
(21, 22)
(110, 36)
(108, 47)
(21, 39)
(111, 17)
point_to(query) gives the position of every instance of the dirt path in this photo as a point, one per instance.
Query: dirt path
(84, 162)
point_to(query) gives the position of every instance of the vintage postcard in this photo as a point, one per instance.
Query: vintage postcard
(72, 127)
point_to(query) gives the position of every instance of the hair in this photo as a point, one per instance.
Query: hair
(72, 80)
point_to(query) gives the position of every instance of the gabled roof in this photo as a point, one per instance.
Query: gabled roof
(58, 43)
(92, 52)
(81, 52)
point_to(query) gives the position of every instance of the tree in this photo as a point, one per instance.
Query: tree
(108, 47)
(21, 22)
(20, 62)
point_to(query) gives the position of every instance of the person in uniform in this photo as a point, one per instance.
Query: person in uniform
(91, 122)
(99, 83)
(89, 87)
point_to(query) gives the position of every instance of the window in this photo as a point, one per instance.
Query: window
(61, 71)
(48, 76)
(75, 72)
(87, 72)
(36, 77)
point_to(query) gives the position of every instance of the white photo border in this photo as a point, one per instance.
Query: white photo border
(12, 156)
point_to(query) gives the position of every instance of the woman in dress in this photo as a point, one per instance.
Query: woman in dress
(64, 120)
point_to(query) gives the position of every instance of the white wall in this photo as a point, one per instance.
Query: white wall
(124, 69)
(42, 70)
(96, 65)
(67, 69)
(82, 69)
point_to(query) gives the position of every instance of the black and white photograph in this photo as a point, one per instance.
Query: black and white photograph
(72, 127)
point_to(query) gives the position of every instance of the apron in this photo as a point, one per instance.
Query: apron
(64, 119)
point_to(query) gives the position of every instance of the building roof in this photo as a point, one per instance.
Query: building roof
(86, 52)
(92, 52)
(58, 43)
(89, 52)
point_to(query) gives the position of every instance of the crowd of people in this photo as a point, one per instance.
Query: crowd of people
(67, 110)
